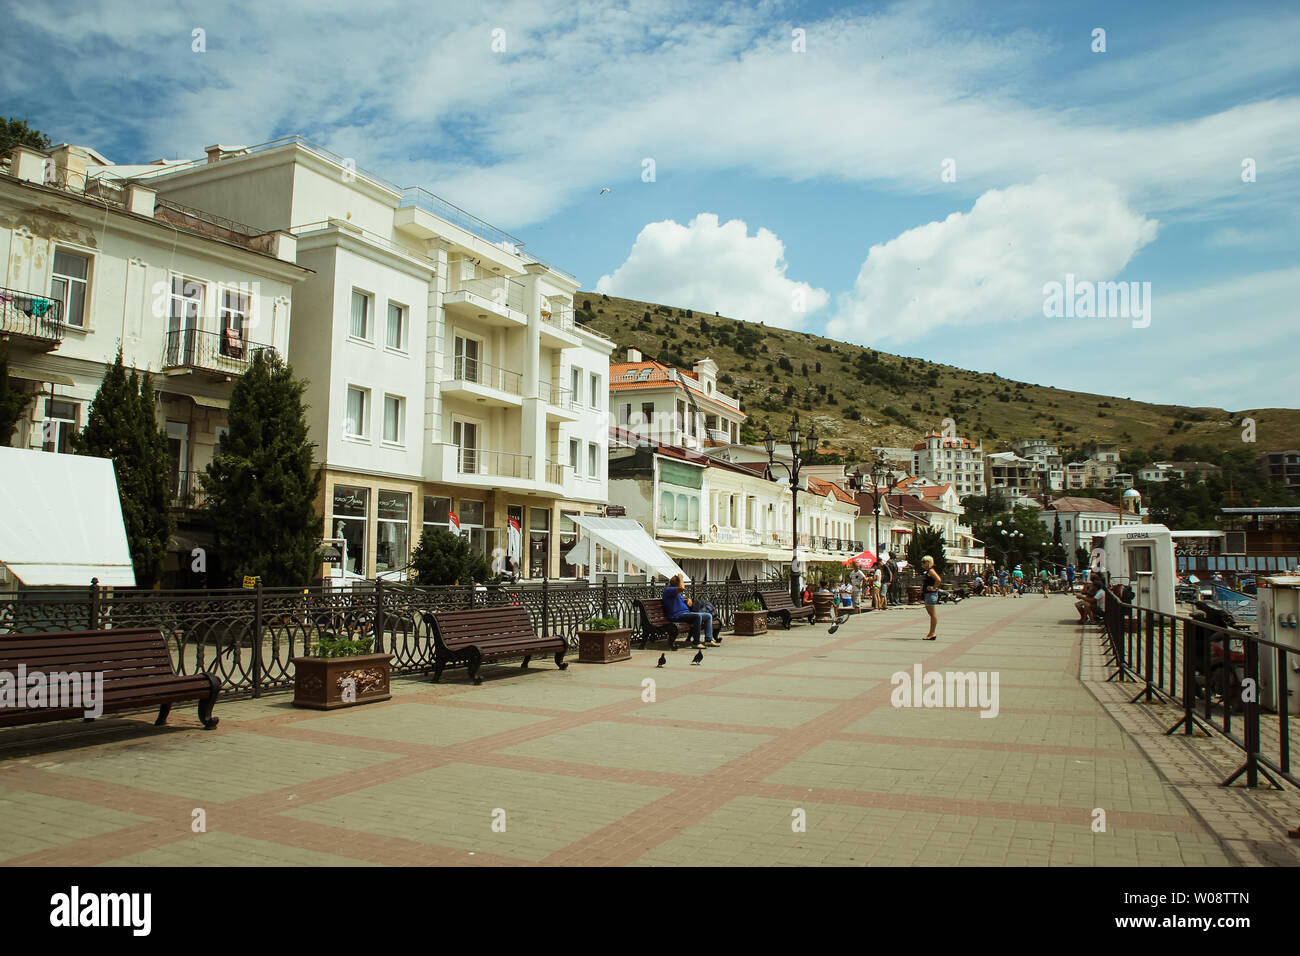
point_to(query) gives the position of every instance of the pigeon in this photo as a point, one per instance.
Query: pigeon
(833, 628)
(699, 656)
(662, 660)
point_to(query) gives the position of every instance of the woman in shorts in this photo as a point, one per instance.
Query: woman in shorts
(930, 582)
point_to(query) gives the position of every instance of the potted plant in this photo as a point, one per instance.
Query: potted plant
(751, 619)
(603, 641)
(340, 672)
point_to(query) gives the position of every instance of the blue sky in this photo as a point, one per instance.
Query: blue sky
(782, 176)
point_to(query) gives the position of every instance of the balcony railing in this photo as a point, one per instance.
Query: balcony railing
(555, 473)
(502, 290)
(186, 491)
(559, 318)
(31, 315)
(227, 353)
(465, 369)
(501, 464)
(556, 395)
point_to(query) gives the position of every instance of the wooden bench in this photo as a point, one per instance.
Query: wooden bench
(778, 604)
(655, 623)
(485, 635)
(136, 668)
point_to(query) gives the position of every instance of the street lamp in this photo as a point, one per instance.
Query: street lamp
(797, 458)
(881, 476)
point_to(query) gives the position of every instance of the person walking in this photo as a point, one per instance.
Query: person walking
(886, 580)
(857, 579)
(930, 589)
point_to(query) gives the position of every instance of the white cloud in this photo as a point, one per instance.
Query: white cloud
(715, 267)
(990, 264)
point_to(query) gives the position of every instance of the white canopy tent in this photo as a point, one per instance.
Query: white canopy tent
(61, 520)
(628, 541)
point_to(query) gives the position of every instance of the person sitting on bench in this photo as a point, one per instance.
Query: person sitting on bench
(677, 607)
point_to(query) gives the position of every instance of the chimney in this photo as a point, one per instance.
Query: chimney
(633, 355)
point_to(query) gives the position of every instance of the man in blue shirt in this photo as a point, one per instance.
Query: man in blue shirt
(677, 607)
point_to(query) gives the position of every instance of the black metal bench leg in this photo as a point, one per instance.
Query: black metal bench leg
(560, 662)
(524, 665)
(438, 667)
(163, 711)
(474, 664)
(205, 712)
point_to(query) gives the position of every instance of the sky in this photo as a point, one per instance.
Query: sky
(969, 183)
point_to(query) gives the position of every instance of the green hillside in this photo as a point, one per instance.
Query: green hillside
(858, 397)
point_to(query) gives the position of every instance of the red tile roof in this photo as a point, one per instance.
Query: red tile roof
(1072, 504)
(820, 488)
(625, 376)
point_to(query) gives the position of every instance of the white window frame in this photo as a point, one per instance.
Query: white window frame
(575, 384)
(478, 340)
(364, 433)
(68, 280)
(403, 331)
(575, 456)
(593, 381)
(369, 299)
(400, 440)
(593, 460)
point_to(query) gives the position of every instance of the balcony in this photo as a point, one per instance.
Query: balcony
(186, 492)
(483, 384)
(554, 473)
(31, 320)
(480, 467)
(211, 354)
(560, 406)
(492, 300)
(558, 330)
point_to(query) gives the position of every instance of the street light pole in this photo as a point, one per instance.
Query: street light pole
(880, 474)
(793, 439)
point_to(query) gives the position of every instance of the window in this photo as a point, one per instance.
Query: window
(392, 542)
(594, 398)
(437, 512)
(643, 375)
(471, 524)
(568, 539)
(648, 412)
(60, 424)
(394, 419)
(235, 307)
(69, 285)
(575, 452)
(624, 414)
(355, 422)
(539, 541)
(186, 308)
(593, 466)
(359, 326)
(396, 326)
(464, 436)
(467, 363)
(349, 523)
(575, 384)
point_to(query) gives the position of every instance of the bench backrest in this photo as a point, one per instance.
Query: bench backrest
(481, 625)
(776, 600)
(654, 611)
(117, 654)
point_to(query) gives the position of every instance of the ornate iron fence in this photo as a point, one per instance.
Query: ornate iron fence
(249, 638)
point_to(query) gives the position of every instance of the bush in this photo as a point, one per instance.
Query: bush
(749, 606)
(444, 558)
(603, 624)
(342, 647)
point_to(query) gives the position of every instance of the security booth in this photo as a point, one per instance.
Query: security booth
(1141, 557)
(1278, 620)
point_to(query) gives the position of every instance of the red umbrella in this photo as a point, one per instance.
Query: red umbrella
(866, 560)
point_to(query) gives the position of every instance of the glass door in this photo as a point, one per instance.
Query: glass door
(467, 360)
(465, 437)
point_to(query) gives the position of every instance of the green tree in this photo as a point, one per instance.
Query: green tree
(121, 425)
(16, 132)
(444, 558)
(13, 403)
(927, 541)
(261, 485)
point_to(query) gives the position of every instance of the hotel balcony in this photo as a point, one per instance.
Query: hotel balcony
(480, 468)
(560, 406)
(210, 354)
(483, 384)
(558, 330)
(31, 320)
(492, 300)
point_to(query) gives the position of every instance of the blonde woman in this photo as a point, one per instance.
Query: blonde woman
(930, 590)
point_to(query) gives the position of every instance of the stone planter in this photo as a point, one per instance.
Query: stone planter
(604, 647)
(749, 623)
(327, 683)
(914, 594)
(823, 602)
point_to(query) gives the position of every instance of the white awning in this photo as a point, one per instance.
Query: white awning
(62, 520)
(627, 538)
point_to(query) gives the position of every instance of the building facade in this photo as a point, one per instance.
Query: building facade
(1081, 518)
(959, 461)
(673, 406)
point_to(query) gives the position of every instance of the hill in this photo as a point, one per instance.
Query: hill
(859, 397)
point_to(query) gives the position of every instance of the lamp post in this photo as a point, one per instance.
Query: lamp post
(881, 475)
(792, 438)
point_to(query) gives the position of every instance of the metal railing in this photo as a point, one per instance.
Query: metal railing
(110, 191)
(465, 369)
(558, 318)
(556, 395)
(502, 464)
(31, 315)
(555, 473)
(347, 228)
(186, 491)
(503, 291)
(1213, 674)
(212, 351)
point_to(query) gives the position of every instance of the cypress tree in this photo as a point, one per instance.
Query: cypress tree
(121, 426)
(261, 485)
(12, 402)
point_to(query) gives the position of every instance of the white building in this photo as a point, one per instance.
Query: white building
(447, 375)
(956, 460)
(673, 406)
(1081, 518)
(1046, 458)
(92, 264)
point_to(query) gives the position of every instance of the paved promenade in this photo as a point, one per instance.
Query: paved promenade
(780, 749)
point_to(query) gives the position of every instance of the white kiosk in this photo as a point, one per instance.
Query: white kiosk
(1142, 557)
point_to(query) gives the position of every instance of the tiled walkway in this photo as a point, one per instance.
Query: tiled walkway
(779, 749)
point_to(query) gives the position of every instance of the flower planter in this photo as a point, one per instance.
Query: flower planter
(327, 683)
(749, 623)
(604, 647)
(823, 601)
(914, 594)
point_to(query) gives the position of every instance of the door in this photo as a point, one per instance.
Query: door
(467, 360)
(465, 436)
(178, 450)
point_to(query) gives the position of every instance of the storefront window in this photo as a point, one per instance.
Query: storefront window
(471, 515)
(539, 542)
(349, 522)
(436, 512)
(568, 539)
(393, 540)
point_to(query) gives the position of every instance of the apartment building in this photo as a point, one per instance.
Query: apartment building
(1280, 467)
(1046, 458)
(449, 386)
(959, 461)
(1007, 471)
(1081, 518)
(673, 406)
(93, 263)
